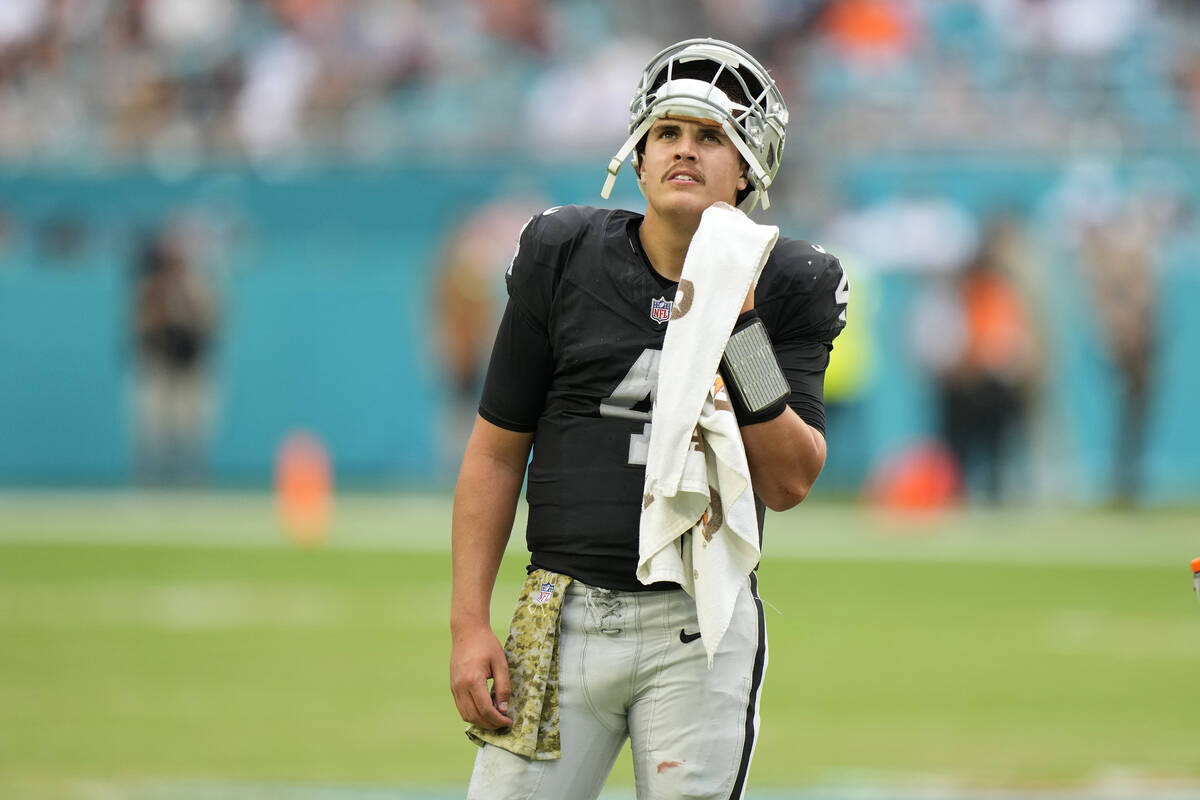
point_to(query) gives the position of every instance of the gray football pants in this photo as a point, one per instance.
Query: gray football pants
(630, 667)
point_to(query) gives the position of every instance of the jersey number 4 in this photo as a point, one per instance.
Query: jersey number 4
(639, 384)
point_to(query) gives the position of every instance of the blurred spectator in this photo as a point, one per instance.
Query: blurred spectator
(1119, 257)
(1115, 234)
(397, 40)
(190, 26)
(175, 319)
(522, 22)
(270, 105)
(875, 32)
(766, 26)
(469, 295)
(582, 103)
(21, 22)
(287, 74)
(188, 80)
(1069, 27)
(975, 333)
(1068, 52)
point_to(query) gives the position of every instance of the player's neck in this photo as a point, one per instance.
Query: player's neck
(666, 242)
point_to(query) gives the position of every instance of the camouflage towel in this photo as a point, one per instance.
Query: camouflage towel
(532, 650)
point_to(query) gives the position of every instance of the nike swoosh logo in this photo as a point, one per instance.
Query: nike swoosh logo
(688, 637)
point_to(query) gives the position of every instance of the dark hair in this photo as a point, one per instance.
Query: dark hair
(703, 70)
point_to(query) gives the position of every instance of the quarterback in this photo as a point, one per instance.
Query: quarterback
(594, 656)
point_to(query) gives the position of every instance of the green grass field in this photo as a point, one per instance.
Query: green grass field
(178, 640)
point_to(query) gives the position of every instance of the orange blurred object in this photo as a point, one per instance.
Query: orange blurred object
(881, 27)
(997, 324)
(304, 488)
(925, 477)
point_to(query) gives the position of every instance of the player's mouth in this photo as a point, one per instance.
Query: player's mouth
(684, 176)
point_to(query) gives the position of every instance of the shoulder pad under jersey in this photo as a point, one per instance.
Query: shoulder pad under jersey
(811, 284)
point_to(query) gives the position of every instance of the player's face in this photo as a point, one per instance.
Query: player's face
(689, 165)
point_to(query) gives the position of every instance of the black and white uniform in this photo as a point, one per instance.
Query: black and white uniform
(575, 363)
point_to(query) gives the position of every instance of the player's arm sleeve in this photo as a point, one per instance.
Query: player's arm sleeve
(518, 375)
(803, 365)
(514, 390)
(806, 325)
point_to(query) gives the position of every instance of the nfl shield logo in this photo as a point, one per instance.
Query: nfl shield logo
(546, 593)
(660, 310)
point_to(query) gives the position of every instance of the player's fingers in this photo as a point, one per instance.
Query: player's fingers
(475, 704)
(501, 688)
(488, 716)
(468, 687)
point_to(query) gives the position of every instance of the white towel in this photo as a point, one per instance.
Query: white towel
(698, 526)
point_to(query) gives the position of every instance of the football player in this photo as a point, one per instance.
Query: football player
(571, 376)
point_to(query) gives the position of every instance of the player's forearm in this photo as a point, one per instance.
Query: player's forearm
(484, 507)
(786, 456)
(485, 502)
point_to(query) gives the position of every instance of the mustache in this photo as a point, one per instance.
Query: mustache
(677, 170)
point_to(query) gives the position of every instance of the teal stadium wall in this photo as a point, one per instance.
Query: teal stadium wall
(326, 284)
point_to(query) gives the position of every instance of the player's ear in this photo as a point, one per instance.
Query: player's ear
(744, 177)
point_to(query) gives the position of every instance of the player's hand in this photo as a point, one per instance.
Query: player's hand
(475, 657)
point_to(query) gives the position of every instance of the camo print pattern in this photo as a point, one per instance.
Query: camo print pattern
(532, 651)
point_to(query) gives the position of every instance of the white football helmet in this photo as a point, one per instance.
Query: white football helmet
(754, 122)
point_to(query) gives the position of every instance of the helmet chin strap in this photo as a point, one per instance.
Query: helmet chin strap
(760, 179)
(614, 166)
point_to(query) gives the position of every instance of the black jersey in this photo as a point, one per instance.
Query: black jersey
(576, 362)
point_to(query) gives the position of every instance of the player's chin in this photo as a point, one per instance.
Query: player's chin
(688, 201)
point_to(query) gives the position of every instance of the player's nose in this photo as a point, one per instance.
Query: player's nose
(685, 148)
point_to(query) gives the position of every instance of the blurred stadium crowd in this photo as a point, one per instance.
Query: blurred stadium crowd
(1020, 256)
(90, 81)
